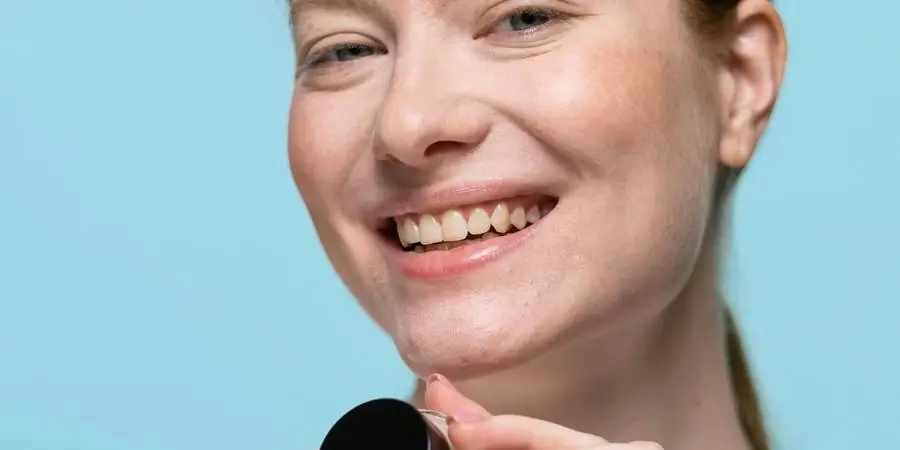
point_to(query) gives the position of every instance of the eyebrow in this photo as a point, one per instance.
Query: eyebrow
(298, 6)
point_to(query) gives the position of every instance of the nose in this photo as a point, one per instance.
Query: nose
(429, 114)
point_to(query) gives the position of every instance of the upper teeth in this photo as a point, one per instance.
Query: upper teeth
(456, 224)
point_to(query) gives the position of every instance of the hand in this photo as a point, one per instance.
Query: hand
(471, 427)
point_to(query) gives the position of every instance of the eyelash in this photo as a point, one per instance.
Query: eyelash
(327, 55)
(553, 16)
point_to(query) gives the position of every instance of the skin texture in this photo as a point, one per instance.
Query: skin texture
(612, 108)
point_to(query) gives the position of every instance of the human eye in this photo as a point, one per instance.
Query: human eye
(528, 20)
(341, 53)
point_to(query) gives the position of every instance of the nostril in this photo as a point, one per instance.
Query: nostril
(444, 147)
(417, 126)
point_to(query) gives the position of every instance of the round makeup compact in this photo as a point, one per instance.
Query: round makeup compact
(388, 424)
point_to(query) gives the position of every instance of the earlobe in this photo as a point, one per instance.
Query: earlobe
(752, 72)
(736, 147)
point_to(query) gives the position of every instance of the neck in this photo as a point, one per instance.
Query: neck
(666, 381)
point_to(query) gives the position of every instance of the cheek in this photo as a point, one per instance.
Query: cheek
(627, 118)
(317, 172)
(633, 119)
(321, 155)
(327, 143)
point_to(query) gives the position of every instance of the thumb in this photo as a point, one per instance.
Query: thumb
(442, 396)
(522, 433)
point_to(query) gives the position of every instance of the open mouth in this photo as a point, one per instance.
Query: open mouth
(458, 227)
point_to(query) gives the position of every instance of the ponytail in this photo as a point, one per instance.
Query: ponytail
(748, 406)
(749, 409)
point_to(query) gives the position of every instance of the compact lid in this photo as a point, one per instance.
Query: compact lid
(380, 424)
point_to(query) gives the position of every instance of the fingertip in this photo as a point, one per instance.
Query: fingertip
(434, 378)
(441, 395)
(437, 389)
(465, 417)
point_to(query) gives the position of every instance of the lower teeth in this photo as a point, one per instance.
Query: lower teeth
(443, 246)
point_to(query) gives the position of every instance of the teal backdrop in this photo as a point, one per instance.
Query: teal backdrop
(161, 287)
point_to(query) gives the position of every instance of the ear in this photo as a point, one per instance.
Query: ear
(751, 73)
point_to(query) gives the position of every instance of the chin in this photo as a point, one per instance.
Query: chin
(461, 355)
(480, 333)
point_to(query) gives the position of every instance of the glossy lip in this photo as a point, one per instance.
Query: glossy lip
(437, 265)
(442, 199)
(458, 261)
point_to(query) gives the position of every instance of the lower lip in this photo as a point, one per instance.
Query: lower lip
(439, 264)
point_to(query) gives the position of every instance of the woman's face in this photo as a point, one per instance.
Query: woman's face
(593, 124)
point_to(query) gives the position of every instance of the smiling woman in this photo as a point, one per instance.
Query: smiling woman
(528, 196)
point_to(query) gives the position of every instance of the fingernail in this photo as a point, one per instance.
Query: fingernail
(465, 417)
(438, 378)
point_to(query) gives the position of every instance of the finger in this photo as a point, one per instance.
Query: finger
(637, 445)
(441, 395)
(519, 433)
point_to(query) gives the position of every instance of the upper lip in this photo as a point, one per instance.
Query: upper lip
(443, 198)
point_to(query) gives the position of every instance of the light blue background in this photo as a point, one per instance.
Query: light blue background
(161, 287)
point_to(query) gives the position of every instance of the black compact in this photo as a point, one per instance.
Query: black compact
(388, 424)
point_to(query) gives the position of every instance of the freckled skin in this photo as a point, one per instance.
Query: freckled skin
(611, 110)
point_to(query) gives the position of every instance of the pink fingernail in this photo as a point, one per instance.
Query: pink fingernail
(438, 378)
(433, 378)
